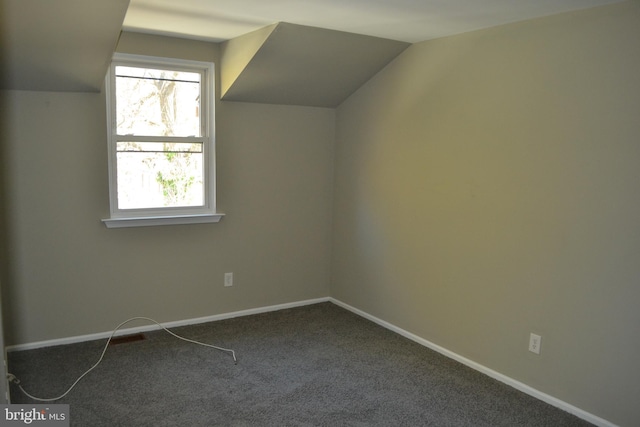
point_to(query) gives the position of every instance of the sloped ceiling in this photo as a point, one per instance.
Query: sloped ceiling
(299, 65)
(314, 52)
(406, 20)
(318, 52)
(61, 45)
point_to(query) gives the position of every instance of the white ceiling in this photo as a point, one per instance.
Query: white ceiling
(404, 20)
(65, 45)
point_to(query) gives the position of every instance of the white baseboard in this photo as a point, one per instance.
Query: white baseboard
(153, 327)
(600, 422)
(593, 419)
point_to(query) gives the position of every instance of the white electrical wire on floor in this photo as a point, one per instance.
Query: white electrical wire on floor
(12, 378)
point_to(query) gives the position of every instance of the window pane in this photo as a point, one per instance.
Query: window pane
(157, 102)
(156, 175)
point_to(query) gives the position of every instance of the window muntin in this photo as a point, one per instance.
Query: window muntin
(161, 145)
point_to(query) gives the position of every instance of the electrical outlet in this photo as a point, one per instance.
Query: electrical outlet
(534, 343)
(228, 279)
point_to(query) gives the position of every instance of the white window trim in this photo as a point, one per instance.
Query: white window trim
(164, 216)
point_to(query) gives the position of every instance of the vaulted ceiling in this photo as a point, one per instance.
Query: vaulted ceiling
(404, 20)
(58, 45)
(298, 65)
(315, 52)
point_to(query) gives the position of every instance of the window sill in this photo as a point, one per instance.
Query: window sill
(161, 220)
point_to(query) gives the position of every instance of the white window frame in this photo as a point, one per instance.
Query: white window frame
(169, 215)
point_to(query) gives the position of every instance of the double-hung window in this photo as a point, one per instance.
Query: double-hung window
(161, 141)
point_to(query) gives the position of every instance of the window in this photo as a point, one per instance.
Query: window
(161, 141)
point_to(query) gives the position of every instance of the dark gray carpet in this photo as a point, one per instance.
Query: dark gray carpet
(318, 365)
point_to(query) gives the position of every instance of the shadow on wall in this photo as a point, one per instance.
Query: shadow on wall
(4, 180)
(4, 226)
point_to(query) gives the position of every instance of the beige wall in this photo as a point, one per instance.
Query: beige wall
(69, 275)
(487, 186)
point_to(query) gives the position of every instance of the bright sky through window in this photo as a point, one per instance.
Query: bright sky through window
(152, 102)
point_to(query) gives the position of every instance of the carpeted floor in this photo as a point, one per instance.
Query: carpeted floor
(318, 365)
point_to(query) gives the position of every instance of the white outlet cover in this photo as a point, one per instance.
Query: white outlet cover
(228, 279)
(534, 343)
